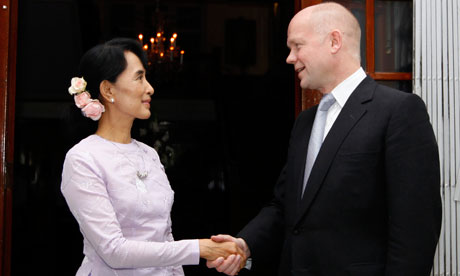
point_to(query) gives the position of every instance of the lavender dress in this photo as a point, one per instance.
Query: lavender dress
(125, 222)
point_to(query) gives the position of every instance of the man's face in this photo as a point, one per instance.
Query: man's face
(309, 54)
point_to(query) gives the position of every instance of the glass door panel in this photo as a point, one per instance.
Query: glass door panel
(393, 36)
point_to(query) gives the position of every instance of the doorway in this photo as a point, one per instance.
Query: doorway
(220, 122)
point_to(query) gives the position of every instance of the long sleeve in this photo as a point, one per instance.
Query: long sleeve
(89, 201)
(412, 184)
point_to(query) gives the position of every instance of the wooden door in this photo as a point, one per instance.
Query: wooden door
(8, 38)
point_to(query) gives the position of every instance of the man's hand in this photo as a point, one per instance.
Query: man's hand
(211, 250)
(233, 263)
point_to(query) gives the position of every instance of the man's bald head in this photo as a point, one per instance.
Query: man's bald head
(329, 16)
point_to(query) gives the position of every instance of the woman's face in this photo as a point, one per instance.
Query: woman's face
(132, 91)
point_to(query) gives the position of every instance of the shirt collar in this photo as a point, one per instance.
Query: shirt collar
(343, 91)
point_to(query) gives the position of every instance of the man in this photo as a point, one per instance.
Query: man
(369, 202)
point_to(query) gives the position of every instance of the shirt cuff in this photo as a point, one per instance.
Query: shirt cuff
(192, 249)
(248, 264)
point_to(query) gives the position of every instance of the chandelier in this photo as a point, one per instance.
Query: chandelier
(162, 51)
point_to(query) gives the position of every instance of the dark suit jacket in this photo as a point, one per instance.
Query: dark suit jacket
(372, 203)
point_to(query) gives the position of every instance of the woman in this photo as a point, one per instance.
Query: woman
(115, 186)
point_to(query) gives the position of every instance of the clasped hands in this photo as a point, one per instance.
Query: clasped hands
(225, 253)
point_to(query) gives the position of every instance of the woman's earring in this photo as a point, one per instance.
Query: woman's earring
(112, 100)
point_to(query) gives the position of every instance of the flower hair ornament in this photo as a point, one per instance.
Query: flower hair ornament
(90, 108)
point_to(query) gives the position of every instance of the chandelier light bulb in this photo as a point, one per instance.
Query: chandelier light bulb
(159, 51)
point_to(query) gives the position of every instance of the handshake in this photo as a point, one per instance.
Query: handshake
(224, 253)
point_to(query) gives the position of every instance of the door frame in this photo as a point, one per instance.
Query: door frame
(8, 50)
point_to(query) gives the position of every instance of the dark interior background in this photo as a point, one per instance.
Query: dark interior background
(221, 123)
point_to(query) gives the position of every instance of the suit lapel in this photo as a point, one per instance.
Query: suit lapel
(351, 113)
(302, 150)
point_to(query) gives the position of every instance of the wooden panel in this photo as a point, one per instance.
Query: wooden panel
(298, 96)
(4, 28)
(306, 3)
(8, 38)
(370, 44)
(310, 98)
(390, 76)
(10, 116)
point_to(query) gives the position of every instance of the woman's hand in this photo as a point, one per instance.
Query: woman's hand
(233, 264)
(211, 250)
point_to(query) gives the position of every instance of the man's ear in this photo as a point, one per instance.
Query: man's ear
(336, 41)
(106, 90)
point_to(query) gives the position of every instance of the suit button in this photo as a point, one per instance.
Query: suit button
(295, 232)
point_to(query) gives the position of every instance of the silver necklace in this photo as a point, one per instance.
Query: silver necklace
(141, 175)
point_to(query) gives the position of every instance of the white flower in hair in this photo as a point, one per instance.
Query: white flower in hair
(82, 99)
(93, 110)
(90, 108)
(78, 85)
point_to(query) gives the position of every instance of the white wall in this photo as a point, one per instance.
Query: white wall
(436, 80)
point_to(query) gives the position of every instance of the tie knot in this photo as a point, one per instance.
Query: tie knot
(326, 102)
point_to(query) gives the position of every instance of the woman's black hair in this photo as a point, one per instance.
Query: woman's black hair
(107, 61)
(102, 62)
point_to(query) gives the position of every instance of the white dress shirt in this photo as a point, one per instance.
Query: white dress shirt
(341, 94)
